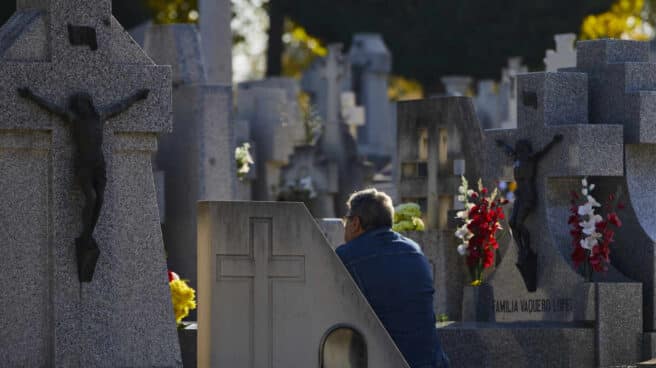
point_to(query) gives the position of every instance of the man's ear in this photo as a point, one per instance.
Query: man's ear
(356, 222)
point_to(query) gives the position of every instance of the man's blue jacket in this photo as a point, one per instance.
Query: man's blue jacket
(396, 278)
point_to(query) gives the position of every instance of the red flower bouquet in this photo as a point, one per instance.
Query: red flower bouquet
(591, 232)
(480, 218)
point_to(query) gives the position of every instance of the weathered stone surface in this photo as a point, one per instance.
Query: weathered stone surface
(271, 109)
(197, 156)
(316, 177)
(621, 86)
(618, 327)
(371, 63)
(333, 230)
(124, 316)
(432, 133)
(271, 288)
(215, 31)
(439, 246)
(540, 344)
(177, 45)
(324, 81)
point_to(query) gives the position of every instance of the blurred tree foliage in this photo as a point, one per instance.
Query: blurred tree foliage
(174, 11)
(626, 19)
(299, 49)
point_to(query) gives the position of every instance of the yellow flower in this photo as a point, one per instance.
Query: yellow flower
(476, 283)
(407, 217)
(183, 298)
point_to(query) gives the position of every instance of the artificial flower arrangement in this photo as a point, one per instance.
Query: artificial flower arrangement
(591, 232)
(182, 296)
(480, 221)
(407, 217)
(244, 160)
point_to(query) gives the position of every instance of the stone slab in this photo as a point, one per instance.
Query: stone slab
(539, 345)
(618, 327)
(271, 289)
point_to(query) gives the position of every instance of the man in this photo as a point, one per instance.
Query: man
(394, 276)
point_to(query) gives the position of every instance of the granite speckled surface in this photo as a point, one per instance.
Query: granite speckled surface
(124, 316)
(539, 345)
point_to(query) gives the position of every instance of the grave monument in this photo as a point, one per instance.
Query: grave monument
(602, 110)
(123, 316)
(273, 293)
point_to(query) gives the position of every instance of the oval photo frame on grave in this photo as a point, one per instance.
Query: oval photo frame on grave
(343, 346)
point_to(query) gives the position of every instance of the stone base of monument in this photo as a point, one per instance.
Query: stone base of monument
(610, 333)
(519, 344)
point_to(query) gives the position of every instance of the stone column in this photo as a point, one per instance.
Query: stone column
(216, 35)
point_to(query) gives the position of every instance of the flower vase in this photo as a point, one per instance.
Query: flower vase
(476, 273)
(478, 303)
(587, 268)
(187, 336)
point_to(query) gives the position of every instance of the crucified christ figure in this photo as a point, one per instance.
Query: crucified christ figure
(87, 123)
(525, 168)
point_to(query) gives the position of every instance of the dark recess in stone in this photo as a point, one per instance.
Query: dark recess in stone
(530, 99)
(83, 36)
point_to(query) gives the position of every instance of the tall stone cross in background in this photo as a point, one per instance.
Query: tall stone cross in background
(215, 33)
(551, 104)
(332, 73)
(124, 316)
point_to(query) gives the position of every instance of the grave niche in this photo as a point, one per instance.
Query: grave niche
(343, 347)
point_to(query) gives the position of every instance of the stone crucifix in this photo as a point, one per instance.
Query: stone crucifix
(552, 115)
(87, 123)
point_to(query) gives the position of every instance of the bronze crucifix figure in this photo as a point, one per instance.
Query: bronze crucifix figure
(87, 123)
(525, 167)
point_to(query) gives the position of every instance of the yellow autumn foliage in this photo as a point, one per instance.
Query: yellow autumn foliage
(174, 11)
(623, 21)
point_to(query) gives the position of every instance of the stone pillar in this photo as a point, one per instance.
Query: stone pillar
(216, 35)
(197, 157)
(371, 63)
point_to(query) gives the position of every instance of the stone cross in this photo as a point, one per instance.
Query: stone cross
(508, 90)
(353, 115)
(103, 322)
(564, 56)
(216, 36)
(262, 269)
(332, 73)
(552, 104)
